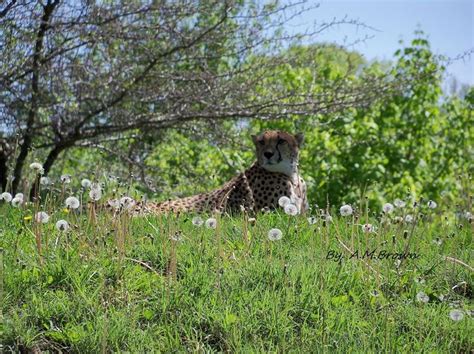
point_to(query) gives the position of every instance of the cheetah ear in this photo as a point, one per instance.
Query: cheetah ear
(254, 139)
(299, 139)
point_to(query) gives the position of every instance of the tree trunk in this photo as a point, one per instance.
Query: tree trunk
(28, 134)
(3, 169)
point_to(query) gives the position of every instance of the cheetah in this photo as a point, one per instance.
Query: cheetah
(274, 174)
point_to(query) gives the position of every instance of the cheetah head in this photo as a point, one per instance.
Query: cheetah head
(278, 151)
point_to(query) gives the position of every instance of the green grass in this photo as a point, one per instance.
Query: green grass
(110, 286)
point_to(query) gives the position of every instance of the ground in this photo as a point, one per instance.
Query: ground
(162, 284)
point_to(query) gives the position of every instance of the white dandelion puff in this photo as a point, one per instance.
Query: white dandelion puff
(387, 208)
(86, 183)
(456, 315)
(275, 234)
(422, 297)
(66, 179)
(45, 181)
(346, 210)
(96, 192)
(6, 197)
(197, 221)
(312, 220)
(17, 202)
(177, 237)
(114, 203)
(72, 203)
(368, 228)
(327, 218)
(20, 196)
(291, 209)
(283, 201)
(42, 217)
(62, 225)
(409, 218)
(432, 204)
(127, 203)
(399, 203)
(37, 167)
(211, 223)
(252, 221)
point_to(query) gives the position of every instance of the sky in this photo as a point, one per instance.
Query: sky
(449, 25)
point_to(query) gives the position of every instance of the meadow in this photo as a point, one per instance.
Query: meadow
(338, 279)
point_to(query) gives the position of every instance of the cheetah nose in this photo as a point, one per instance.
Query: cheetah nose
(268, 154)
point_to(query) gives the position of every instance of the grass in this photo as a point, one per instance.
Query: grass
(164, 284)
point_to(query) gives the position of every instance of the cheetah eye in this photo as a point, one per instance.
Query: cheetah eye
(281, 141)
(261, 142)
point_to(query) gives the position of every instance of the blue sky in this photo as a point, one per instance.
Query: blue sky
(449, 25)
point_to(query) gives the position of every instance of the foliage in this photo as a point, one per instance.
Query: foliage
(88, 74)
(418, 142)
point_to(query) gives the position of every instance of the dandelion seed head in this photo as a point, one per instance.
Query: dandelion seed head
(72, 203)
(62, 225)
(432, 204)
(197, 221)
(127, 202)
(65, 179)
(37, 167)
(114, 203)
(327, 218)
(275, 234)
(422, 297)
(177, 237)
(312, 220)
(252, 221)
(96, 192)
(86, 183)
(409, 218)
(345, 210)
(6, 197)
(17, 202)
(456, 315)
(283, 201)
(45, 181)
(399, 203)
(211, 223)
(468, 215)
(388, 208)
(291, 209)
(42, 217)
(20, 196)
(368, 228)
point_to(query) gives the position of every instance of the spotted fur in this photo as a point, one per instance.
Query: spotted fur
(273, 175)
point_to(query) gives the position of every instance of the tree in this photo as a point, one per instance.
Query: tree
(84, 73)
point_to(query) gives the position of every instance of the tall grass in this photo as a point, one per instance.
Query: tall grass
(112, 282)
